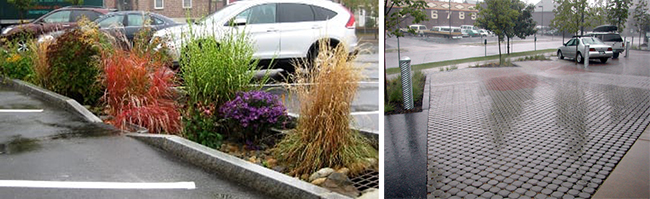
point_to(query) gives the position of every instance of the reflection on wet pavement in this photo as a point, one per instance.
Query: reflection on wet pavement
(522, 132)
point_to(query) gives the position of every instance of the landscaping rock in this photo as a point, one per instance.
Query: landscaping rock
(318, 181)
(371, 193)
(279, 169)
(340, 183)
(324, 172)
(343, 171)
(305, 176)
(271, 162)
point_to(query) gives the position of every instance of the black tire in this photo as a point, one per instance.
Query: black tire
(579, 58)
(603, 60)
(560, 55)
(615, 55)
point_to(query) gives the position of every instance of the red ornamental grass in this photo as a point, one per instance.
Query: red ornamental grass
(138, 91)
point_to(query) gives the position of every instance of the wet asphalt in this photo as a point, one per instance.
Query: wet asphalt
(54, 145)
(544, 129)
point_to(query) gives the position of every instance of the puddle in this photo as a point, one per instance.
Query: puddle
(18, 144)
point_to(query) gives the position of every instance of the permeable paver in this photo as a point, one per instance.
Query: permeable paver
(525, 132)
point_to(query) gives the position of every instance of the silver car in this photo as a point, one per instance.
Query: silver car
(597, 49)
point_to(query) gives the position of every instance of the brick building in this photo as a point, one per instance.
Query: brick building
(175, 9)
(442, 13)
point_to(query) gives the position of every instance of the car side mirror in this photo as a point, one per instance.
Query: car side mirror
(238, 22)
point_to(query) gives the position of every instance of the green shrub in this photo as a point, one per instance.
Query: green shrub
(74, 65)
(213, 72)
(395, 88)
(16, 65)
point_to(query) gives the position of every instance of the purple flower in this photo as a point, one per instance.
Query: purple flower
(257, 110)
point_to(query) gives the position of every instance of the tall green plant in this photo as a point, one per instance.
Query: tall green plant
(618, 13)
(214, 70)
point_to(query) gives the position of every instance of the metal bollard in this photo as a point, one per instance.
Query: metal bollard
(627, 45)
(586, 57)
(407, 91)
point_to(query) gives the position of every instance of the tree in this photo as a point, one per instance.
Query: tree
(524, 24)
(641, 17)
(370, 6)
(22, 6)
(618, 12)
(392, 19)
(498, 17)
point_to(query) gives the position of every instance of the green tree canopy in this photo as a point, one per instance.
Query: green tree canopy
(618, 12)
(497, 16)
(641, 17)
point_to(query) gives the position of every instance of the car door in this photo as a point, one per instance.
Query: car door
(58, 20)
(298, 29)
(569, 49)
(134, 22)
(260, 24)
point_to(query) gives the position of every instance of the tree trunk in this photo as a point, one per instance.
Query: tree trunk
(508, 46)
(500, 60)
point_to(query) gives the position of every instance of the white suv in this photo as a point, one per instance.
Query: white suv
(280, 29)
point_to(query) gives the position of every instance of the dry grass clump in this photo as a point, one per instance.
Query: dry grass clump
(39, 59)
(322, 137)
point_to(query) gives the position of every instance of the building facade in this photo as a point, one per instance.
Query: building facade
(178, 10)
(444, 13)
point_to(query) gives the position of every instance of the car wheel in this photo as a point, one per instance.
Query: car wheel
(615, 55)
(603, 60)
(579, 58)
(560, 55)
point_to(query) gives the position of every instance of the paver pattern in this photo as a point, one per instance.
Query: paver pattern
(530, 132)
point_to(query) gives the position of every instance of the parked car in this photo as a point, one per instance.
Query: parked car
(609, 36)
(465, 32)
(59, 19)
(483, 33)
(597, 49)
(279, 29)
(131, 22)
(419, 29)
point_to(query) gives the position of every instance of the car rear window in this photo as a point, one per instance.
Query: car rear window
(323, 14)
(612, 37)
(591, 40)
(91, 15)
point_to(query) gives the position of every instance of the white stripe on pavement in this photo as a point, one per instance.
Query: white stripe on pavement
(21, 110)
(96, 185)
(365, 113)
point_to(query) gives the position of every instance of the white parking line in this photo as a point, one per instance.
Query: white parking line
(365, 113)
(96, 185)
(21, 110)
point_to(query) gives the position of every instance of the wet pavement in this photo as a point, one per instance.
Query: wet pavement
(545, 129)
(53, 145)
(426, 50)
(405, 158)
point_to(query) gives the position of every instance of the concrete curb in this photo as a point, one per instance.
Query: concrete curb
(426, 92)
(56, 99)
(249, 174)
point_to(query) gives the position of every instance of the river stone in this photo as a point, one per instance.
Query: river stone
(340, 183)
(324, 172)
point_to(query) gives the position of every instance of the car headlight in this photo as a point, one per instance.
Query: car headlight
(6, 30)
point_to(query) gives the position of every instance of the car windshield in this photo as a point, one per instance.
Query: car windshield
(591, 41)
(220, 14)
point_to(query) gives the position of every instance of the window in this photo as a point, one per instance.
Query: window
(461, 15)
(323, 14)
(58, 17)
(187, 3)
(434, 14)
(259, 14)
(293, 12)
(474, 16)
(112, 21)
(135, 20)
(90, 15)
(156, 21)
(158, 4)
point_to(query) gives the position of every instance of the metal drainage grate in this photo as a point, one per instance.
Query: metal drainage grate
(366, 180)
